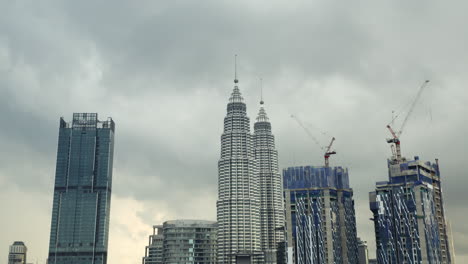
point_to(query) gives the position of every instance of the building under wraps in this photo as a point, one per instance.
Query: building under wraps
(320, 216)
(409, 219)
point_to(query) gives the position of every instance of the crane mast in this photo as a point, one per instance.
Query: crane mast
(395, 140)
(418, 95)
(328, 153)
(307, 131)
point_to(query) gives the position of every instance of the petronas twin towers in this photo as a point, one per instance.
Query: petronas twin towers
(250, 204)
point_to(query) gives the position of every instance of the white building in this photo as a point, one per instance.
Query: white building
(271, 188)
(154, 250)
(17, 253)
(182, 241)
(238, 205)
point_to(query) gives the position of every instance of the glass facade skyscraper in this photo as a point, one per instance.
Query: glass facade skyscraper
(82, 192)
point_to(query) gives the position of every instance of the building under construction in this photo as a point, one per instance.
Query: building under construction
(408, 209)
(320, 216)
(409, 219)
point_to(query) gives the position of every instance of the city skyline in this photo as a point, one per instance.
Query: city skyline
(163, 72)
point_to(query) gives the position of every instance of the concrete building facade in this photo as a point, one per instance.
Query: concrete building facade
(17, 253)
(182, 242)
(154, 250)
(363, 252)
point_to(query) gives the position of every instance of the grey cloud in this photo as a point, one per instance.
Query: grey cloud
(163, 71)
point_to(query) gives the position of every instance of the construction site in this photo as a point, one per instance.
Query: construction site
(408, 210)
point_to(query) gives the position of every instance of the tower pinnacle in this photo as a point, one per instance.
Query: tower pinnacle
(235, 69)
(238, 209)
(262, 116)
(261, 92)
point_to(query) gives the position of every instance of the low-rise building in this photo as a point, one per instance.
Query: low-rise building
(363, 252)
(182, 241)
(17, 253)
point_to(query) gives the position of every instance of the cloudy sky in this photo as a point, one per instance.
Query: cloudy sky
(163, 70)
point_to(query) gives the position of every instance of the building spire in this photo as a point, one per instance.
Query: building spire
(235, 69)
(261, 92)
(236, 95)
(262, 116)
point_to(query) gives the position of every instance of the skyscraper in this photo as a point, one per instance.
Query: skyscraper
(17, 253)
(409, 217)
(82, 192)
(271, 188)
(238, 205)
(320, 216)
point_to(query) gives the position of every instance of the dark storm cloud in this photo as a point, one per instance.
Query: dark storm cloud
(163, 71)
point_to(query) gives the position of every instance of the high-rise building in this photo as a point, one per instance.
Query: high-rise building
(238, 204)
(82, 192)
(182, 241)
(271, 188)
(363, 252)
(320, 216)
(17, 253)
(409, 217)
(154, 250)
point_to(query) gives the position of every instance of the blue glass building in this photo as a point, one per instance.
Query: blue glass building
(320, 216)
(83, 183)
(409, 216)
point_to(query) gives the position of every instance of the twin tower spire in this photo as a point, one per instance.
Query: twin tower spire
(250, 196)
(236, 95)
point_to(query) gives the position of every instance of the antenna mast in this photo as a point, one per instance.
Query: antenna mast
(235, 69)
(261, 91)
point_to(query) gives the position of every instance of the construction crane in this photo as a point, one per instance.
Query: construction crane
(328, 153)
(396, 148)
(307, 131)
